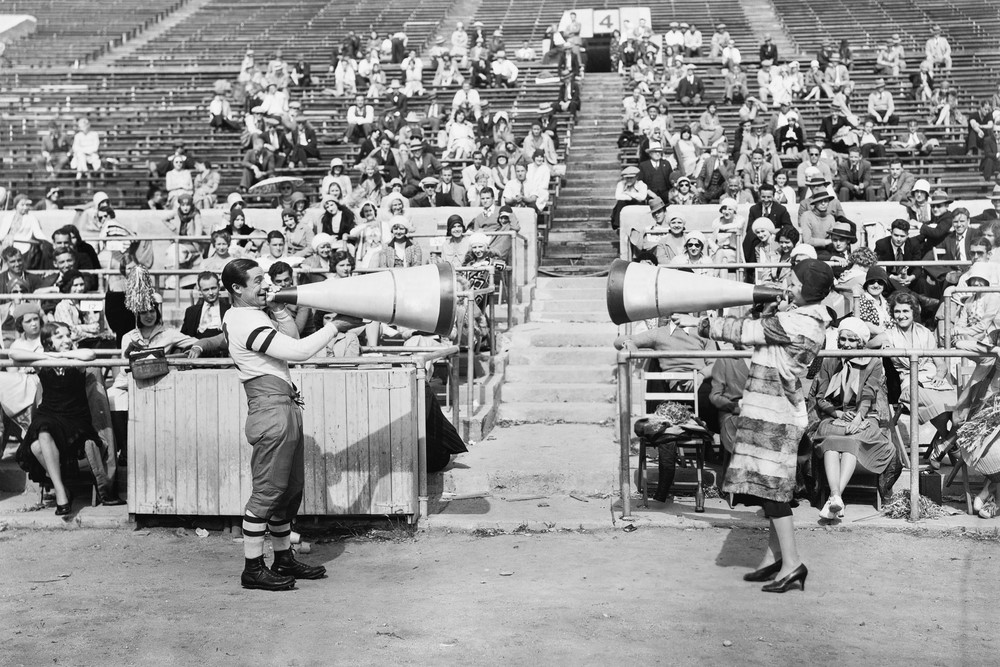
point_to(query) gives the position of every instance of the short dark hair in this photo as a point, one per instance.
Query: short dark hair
(895, 160)
(490, 190)
(67, 281)
(766, 187)
(48, 330)
(10, 252)
(222, 234)
(278, 268)
(275, 234)
(901, 224)
(961, 210)
(205, 275)
(67, 251)
(338, 257)
(854, 149)
(236, 273)
(62, 231)
(907, 299)
(788, 232)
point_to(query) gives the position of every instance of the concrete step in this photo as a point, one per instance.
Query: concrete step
(551, 307)
(578, 269)
(564, 356)
(569, 316)
(578, 413)
(581, 294)
(515, 392)
(558, 236)
(595, 339)
(546, 283)
(559, 374)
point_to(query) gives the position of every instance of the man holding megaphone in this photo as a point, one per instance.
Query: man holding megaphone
(262, 339)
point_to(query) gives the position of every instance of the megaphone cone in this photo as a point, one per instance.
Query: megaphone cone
(640, 291)
(420, 297)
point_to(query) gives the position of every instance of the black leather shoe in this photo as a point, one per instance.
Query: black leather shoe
(285, 563)
(765, 573)
(799, 574)
(111, 500)
(257, 575)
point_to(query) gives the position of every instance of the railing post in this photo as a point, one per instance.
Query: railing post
(914, 438)
(470, 372)
(946, 334)
(453, 379)
(624, 434)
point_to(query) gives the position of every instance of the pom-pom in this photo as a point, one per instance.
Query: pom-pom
(139, 294)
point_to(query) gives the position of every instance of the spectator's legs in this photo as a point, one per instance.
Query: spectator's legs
(45, 450)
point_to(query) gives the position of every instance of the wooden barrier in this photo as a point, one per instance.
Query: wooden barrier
(364, 436)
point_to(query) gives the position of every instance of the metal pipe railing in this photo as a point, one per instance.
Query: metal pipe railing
(625, 357)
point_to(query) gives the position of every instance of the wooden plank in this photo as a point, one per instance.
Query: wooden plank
(229, 443)
(244, 451)
(402, 438)
(207, 454)
(310, 383)
(186, 442)
(380, 383)
(141, 456)
(358, 462)
(165, 439)
(335, 443)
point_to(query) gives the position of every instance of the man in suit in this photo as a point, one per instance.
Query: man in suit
(766, 208)
(569, 94)
(204, 319)
(957, 245)
(899, 247)
(449, 187)
(855, 176)
(691, 88)
(429, 196)
(896, 185)
(15, 271)
(832, 127)
(768, 50)
(715, 173)
(655, 172)
(756, 174)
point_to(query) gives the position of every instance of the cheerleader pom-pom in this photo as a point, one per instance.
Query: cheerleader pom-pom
(139, 293)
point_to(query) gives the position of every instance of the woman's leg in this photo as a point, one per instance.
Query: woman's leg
(773, 552)
(47, 453)
(831, 463)
(783, 529)
(848, 462)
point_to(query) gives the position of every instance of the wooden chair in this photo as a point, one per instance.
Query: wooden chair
(695, 378)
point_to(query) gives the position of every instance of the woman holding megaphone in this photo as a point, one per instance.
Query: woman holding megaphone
(773, 416)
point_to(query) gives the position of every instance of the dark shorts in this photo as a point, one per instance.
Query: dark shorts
(274, 430)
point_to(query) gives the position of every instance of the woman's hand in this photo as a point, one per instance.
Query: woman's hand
(854, 426)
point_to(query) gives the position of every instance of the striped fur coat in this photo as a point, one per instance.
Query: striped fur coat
(773, 417)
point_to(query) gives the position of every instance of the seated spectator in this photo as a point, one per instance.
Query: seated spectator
(401, 251)
(761, 141)
(837, 78)
(536, 182)
(22, 230)
(370, 247)
(837, 131)
(922, 84)
(13, 259)
(62, 431)
(526, 53)
(56, 149)
(683, 193)
(816, 223)
(455, 245)
(85, 150)
(765, 249)
(86, 324)
(896, 185)
(726, 230)
(981, 128)
(318, 266)
(687, 150)
(715, 172)
(881, 106)
(784, 193)
(360, 120)
(345, 76)
(66, 262)
(536, 141)
(731, 55)
(814, 82)
(504, 71)
(691, 88)
(222, 250)
(338, 177)
(220, 111)
(993, 213)
(258, 163)
(275, 252)
(756, 174)
(412, 67)
(871, 305)
(937, 50)
(505, 221)
(694, 254)
(301, 141)
(186, 221)
(736, 89)
(645, 242)
(281, 276)
(467, 99)
(461, 137)
(297, 232)
(853, 408)
(206, 184)
(936, 395)
(345, 343)
(653, 121)
(913, 141)
(709, 127)
(855, 177)
(883, 64)
(178, 181)
(870, 141)
(628, 192)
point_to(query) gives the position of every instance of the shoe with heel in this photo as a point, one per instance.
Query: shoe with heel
(799, 575)
(63, 510)
(765, 573)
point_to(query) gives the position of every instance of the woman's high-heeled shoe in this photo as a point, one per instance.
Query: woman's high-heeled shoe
(765, 573)
(799, 574)
(63, 510)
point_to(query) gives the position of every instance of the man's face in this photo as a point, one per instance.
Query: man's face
(839, 243)
(277, 247)
(960, 223)
(895, 170)
(446, 176)
(733, 184)
(521, 172)
(756, 160)
(16, 264)
(253, 293)
(61, 243)
(477, 160)
(899, 237)
(282, 280)
(486, 198)
(813, 155)
(766, 197)
(209, 288)
(854, 158)
(64, 262)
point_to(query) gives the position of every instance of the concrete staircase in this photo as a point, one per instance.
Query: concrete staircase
(764, 19)
(561, 364)
(580, 241)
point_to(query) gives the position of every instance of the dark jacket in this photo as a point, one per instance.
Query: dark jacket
(657, 179)
(192, 316)
(440, 199)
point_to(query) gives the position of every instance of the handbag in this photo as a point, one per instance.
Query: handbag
(148, 364)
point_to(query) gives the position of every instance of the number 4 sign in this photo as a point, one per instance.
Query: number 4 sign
(606, 21)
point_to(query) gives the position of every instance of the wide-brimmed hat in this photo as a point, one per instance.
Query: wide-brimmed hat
(654, 146)
(821, 197)
(940, 198)
(880, 82)
(844, 229)
(656, 204)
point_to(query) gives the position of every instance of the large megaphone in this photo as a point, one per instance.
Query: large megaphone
(640, 291)
(420, 297)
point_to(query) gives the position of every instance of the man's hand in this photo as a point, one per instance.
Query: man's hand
(194, 352)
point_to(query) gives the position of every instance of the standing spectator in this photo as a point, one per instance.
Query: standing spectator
(86, 144)
(937, 50)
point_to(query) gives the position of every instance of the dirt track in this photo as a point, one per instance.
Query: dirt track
(664, 596)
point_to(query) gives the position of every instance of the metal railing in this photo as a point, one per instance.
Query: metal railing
(624, 375)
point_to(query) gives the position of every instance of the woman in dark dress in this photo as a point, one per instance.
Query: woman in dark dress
(62, 429)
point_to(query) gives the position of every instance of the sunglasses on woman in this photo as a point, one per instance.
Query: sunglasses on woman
(693, 245)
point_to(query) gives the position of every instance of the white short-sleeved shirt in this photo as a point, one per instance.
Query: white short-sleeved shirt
(249, 333)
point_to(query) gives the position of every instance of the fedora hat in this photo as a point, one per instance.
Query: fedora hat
(821, 197)
(940, 198)
(844, 229)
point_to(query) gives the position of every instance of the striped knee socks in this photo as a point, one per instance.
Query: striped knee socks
(253, 535)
